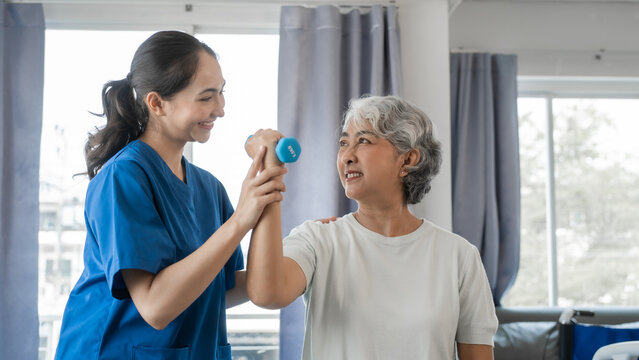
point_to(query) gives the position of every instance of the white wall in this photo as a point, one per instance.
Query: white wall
(553, 38)
(425, 67)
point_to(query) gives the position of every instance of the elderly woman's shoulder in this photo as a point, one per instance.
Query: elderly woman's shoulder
(445, 236)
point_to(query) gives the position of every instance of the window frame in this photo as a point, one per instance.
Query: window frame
(549, 88)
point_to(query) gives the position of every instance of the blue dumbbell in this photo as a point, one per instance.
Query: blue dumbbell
(288, 149)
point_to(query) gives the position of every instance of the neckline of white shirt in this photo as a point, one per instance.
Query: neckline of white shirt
(395, 240)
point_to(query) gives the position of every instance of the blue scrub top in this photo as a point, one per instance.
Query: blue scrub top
(139, 215)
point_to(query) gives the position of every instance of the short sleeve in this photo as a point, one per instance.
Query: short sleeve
(235, 263)
(122, 216)
(299, 246)
(477, 320)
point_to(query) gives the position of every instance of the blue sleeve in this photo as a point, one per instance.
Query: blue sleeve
(122, 216)
(236, 261)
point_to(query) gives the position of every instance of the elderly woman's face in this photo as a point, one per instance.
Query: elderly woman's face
(369, 166)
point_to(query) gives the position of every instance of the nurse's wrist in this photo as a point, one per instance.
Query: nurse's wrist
(235, 227)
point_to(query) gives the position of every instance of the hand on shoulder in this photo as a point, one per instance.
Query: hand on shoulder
(327, 220)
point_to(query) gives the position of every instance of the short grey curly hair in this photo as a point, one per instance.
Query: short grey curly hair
(406, 127)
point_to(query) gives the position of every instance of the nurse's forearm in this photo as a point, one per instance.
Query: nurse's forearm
(162, 297)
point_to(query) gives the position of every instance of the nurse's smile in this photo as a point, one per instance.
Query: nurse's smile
(208, 125)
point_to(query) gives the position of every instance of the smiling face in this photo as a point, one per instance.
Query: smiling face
(369, 166)
(190, 114)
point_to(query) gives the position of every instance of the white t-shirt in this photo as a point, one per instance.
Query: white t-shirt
(373, 297)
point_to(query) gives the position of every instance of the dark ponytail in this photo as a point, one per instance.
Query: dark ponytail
(123, 125)
(165, 63)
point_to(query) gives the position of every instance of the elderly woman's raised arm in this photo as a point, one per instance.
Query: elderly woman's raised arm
(273, 281)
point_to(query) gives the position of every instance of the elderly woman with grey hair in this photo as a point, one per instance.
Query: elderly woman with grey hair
(378, 283)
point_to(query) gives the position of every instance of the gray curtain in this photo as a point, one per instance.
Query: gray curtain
(21, 82)
(485, 161)
(326, 58)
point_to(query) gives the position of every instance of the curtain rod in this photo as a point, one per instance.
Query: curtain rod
(351, 3)
(368, 6)
(463, 50)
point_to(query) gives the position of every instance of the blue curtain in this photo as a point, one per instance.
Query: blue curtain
(326, 58)
(485, 161)
(21, 87)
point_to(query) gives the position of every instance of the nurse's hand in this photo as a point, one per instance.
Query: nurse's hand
(258, 190)
(327, 220)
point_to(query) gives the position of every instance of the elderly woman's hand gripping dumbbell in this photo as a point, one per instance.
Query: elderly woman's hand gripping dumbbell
(286, 149)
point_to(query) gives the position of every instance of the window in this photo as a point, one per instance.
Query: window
(77, 64)
(579, 161)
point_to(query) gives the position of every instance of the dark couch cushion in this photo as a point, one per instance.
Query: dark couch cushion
(527, 340)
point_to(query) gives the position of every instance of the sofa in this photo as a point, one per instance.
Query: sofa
(535, 332)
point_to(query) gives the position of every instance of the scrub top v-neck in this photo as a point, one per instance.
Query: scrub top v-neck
(139, 215)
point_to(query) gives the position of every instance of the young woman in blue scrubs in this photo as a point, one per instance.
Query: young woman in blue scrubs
(162, 255)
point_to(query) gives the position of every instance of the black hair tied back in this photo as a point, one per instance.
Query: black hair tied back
(123, 126)
(164, 63)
